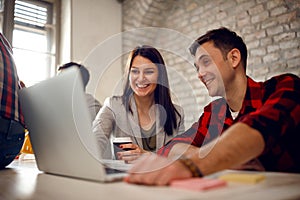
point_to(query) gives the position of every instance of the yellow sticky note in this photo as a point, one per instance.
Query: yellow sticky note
(243, 177)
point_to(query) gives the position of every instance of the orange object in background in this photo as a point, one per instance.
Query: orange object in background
(27, 148)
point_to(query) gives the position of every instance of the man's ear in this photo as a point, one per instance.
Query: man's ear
(234, 56)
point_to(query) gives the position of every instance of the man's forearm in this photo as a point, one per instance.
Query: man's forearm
(181, 149)
(239, 144)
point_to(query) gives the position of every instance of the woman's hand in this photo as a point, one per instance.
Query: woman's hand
(131, 152)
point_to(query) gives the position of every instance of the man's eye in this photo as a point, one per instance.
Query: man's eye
(206, 62)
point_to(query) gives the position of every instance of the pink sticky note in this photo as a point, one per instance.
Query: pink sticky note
(198, 183)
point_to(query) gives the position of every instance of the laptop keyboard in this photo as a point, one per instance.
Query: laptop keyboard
(113, 171)
(116, 166)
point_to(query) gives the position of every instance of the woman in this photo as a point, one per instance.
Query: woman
(144, 112)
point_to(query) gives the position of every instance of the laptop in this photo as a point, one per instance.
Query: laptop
(60, 129)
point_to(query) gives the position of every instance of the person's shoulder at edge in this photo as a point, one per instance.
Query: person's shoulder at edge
(113, 102)
(281, 77)
(287, 80)
(285, 76)
(91, 98)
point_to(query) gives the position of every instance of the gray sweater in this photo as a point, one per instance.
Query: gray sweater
(114, 121)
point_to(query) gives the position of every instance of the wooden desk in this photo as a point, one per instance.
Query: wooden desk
(22, 180)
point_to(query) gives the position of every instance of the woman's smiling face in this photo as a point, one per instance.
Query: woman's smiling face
(143, 76)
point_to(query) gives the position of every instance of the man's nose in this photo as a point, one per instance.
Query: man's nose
(201, 72)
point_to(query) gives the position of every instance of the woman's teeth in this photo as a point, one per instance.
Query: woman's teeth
(142, 85)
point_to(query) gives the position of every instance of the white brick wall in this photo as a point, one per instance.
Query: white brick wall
(270, 28)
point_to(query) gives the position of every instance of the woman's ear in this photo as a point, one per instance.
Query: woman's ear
(234, 56)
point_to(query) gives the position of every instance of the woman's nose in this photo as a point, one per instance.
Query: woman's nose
(141, 76)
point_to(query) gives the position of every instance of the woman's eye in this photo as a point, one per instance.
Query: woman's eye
(149, 72)
(134, 71)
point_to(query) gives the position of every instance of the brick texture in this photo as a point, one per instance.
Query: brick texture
(270, 29)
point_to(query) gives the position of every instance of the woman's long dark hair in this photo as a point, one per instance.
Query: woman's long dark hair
(161, 92)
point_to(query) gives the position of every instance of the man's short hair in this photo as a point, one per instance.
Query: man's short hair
(83, 70)
(223, 39)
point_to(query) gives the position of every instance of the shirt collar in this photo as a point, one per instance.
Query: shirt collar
(253, 97)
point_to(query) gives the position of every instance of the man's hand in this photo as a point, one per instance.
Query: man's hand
(156, 170)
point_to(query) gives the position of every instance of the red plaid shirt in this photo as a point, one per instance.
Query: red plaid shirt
(272, 107)
(9, 84)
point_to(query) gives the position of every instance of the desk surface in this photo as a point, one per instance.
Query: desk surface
(22, 180)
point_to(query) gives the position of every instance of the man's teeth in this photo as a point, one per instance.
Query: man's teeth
(207, 81)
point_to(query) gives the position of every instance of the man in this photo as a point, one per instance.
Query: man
(93, 104)
(253, 121)
(12, 131)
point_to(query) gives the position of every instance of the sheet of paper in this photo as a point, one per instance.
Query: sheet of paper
(198, 183)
